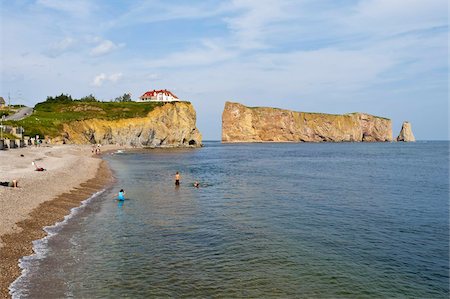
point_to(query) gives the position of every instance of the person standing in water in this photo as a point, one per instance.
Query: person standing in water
(121, 195)
(177, 179)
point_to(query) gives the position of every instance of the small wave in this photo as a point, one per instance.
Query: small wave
(40, 248)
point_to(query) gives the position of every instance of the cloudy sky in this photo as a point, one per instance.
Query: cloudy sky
(383, 57)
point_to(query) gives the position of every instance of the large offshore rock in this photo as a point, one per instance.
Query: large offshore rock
(170, 125)
(245, 124)
(406, 133)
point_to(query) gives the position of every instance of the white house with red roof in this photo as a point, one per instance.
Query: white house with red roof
(162, 95)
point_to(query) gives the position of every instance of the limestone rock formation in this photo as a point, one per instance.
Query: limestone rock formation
(245, 124)
(406, 133)
(171, 125)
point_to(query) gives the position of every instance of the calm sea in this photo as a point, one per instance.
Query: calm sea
(345, 220)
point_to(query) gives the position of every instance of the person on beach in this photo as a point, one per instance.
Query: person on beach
(177, 179)
(121, 195)
(13, 184)
(37, 167)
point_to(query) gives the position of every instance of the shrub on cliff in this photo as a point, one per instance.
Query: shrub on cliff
(61, 98)
(89, 98)
(125, 98)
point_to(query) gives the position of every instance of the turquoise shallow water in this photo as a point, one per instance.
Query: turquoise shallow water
(350, 220)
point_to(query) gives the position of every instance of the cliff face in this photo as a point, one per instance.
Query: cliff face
(171, 125)
(406, 133)
(244, 124)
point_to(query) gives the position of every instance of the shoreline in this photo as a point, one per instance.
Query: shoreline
(80, 175)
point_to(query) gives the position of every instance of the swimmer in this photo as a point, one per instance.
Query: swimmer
(196, 184)
(121, 195)
(177, 179)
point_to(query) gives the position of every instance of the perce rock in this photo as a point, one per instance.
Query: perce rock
(170, 125)
(406, 133)
(244, 124)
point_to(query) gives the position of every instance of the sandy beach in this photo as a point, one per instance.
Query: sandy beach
(43, 197)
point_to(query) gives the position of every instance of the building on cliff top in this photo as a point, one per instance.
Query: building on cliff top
(158, 96)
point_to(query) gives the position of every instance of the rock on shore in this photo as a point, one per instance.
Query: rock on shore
(245, 124)
(406, 133)
(171, 125)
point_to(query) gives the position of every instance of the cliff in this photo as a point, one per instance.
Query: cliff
(169, 125)
(406, 133)
(244, 124)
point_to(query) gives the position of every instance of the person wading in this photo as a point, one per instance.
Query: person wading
(177, 179)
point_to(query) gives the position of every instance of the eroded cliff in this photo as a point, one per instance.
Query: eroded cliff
(171, 125)
(245, 124)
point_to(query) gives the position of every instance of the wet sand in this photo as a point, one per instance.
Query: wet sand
(43, 198)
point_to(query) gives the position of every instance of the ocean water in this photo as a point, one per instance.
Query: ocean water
(346, 220)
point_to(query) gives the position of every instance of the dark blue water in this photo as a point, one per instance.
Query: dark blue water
(350, 220)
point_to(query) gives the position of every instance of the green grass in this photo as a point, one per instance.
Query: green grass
(317, 113)
(6, 111)
(48, 117)
(385, 118)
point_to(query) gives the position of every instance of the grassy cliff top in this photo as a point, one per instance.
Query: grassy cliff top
(48, 117)
(312, 113)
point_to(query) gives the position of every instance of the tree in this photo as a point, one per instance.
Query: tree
(60, 98)
(125, 98)
(89, 98)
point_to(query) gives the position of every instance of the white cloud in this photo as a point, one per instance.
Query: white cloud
(208, 52)
(98, 80)
(102, 77)
(393, 17)
(105, 47)
(115, 77)
(251, 23)
(74, 7)
(61, 47)
(142, 12)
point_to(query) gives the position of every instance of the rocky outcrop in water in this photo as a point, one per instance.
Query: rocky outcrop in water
(245, 124)
(171, 125)
(406, 133)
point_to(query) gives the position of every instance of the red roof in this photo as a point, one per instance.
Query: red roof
(154, 92)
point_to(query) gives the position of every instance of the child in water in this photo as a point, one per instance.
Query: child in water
(121, 195)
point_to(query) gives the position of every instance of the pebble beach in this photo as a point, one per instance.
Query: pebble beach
(72, 174)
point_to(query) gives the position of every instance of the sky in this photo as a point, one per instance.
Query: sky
(382, 57)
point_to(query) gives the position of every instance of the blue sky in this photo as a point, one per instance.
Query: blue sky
(383, 57)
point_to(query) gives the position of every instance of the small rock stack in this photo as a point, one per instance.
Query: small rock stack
(406, 134)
